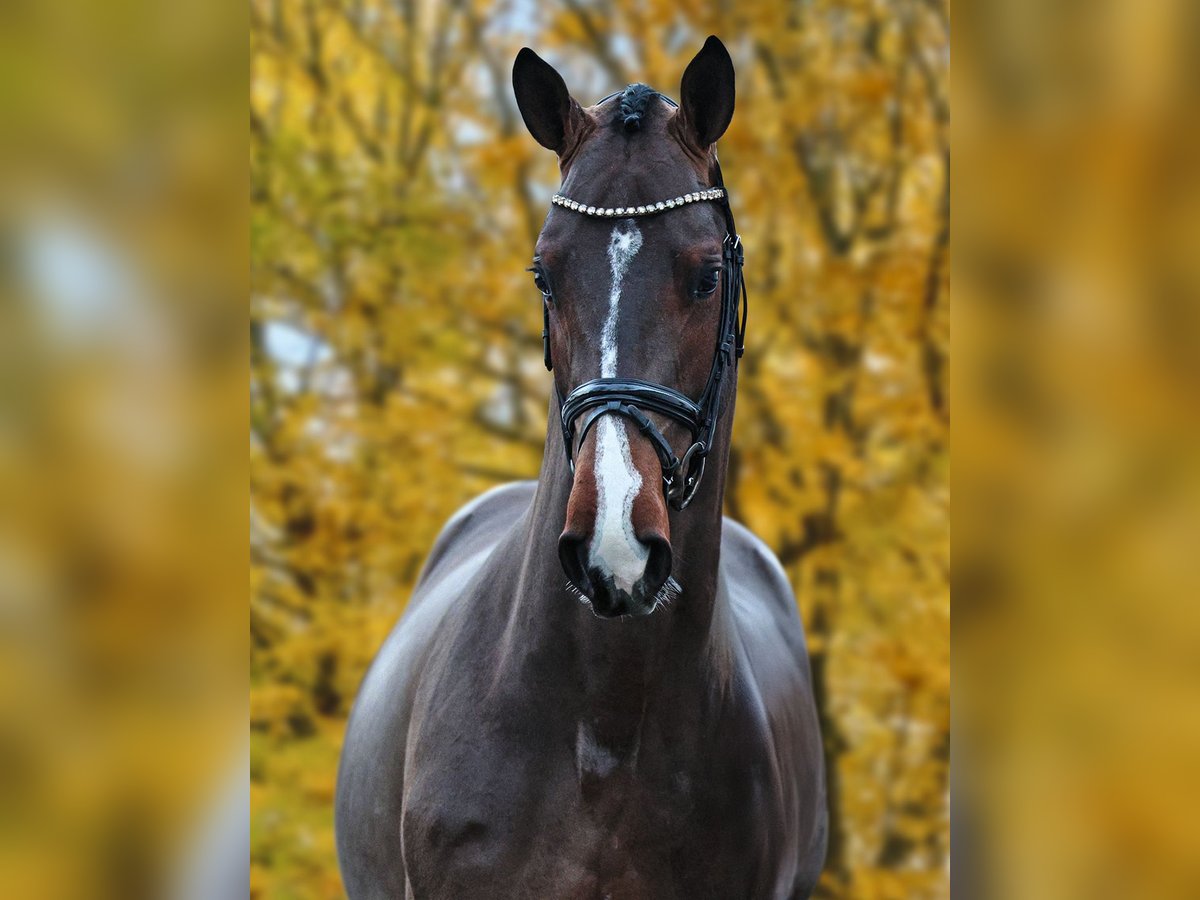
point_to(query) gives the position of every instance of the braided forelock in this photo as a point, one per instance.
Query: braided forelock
(635, 101)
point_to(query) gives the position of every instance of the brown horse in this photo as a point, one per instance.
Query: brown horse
(658, 739)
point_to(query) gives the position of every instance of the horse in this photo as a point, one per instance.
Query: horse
(600, 687)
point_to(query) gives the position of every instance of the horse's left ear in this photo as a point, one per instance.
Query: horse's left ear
(707, 94)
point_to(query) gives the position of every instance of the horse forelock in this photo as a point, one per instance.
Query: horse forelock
(634, 106)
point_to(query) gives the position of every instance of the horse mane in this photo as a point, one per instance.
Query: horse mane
(635, 101)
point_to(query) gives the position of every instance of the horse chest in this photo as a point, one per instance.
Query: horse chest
(620, 822)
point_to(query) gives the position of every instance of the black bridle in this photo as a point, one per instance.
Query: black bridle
(629, 397)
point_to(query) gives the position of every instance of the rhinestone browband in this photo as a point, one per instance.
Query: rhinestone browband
(651, 209)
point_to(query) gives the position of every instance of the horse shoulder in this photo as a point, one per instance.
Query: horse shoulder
(770, 650)
(760, 590)
(459, 549)
(478, 524)
(370, 784)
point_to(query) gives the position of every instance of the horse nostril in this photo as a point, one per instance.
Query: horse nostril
(658, 566)
(572, 552)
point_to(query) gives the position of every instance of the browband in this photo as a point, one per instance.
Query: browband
(624, 212)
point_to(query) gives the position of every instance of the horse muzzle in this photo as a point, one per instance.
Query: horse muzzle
(615, 547)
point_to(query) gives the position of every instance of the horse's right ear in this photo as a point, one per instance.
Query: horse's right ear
(549, 111)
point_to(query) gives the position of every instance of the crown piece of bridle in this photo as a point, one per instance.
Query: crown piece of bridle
(622, 212)
(628, 397)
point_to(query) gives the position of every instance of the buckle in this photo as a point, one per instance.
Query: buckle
(682, 483)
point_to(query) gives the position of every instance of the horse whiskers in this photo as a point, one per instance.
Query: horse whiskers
(664, 599)
(578, 594)
(667, 594)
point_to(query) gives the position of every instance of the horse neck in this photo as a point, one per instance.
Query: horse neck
(620, 664)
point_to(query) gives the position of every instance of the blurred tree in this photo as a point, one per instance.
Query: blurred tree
(396, 361)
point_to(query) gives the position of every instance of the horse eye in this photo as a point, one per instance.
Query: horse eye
(708, 283)
(539, 281)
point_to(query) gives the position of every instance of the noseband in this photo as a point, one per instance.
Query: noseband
(631, 397)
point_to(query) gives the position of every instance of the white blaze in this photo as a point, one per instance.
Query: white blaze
(615, 550)
(622, 248)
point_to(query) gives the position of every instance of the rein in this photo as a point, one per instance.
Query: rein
(629, 397)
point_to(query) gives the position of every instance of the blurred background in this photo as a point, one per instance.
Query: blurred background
(397, 366)
(1076, 454)
(123, 259)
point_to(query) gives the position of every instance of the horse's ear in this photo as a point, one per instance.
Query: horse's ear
(549, 111)
(706, 94)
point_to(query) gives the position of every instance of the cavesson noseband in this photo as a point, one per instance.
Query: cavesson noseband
(629, 397)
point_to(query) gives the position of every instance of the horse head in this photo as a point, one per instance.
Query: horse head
(639, 268)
